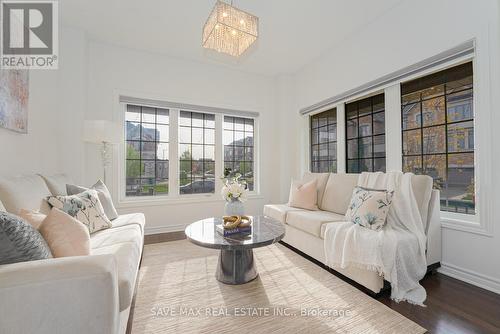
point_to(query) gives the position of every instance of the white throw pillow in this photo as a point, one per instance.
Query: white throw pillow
(104, 197)
(369, 207)
(303, 195)
(85, 207)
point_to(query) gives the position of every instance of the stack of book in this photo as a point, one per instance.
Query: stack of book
(238, 230)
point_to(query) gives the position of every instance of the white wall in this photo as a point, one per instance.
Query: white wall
(72, 100)
(38, 150)
(410, 32)
(56, 105)
(85, 87)
(114, 70)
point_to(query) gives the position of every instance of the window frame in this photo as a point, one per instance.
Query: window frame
(446, 153)
(245, 146)
(372, 135)
(174, 197)
(328, 142)
(141, 142)
(191, 143)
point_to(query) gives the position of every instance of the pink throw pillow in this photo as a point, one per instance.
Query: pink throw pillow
(65, 235)
(304, 195)
(34, 218)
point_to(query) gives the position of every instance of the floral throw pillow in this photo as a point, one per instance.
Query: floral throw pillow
(369, 207)
(84, 207)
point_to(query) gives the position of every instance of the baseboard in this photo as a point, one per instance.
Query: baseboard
(471, 277)
(148, 230)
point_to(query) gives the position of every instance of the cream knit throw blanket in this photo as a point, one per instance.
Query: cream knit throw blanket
(397, 251)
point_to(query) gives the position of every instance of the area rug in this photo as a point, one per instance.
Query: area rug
(178, 293)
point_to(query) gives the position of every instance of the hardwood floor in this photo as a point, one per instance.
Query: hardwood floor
(453, 306)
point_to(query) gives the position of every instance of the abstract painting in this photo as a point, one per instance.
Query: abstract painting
(14, 96)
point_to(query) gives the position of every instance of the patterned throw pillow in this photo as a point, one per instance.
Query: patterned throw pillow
(369, 207)
(104, 197)
(19, 241)
(85, 207)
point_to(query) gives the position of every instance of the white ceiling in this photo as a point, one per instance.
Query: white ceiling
(292, 32)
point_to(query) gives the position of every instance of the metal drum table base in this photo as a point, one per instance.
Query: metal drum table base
(236, 266)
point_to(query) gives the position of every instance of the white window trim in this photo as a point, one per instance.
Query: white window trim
(480, 223)
(173, 197)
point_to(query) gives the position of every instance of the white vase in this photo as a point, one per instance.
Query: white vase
(234, 208)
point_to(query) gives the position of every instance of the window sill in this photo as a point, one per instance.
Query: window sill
(464, 223)
(180, 199)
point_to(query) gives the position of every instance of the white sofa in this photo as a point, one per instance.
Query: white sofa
(305, 229)
(84, 294)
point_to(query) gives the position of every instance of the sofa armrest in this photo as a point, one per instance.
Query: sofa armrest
(433, 231)
(63, 295)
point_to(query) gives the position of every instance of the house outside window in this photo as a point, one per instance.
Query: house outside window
(365, 133)
(239, 148)
(438, 134)
(147, 150)
(323, 132)
(152, 168)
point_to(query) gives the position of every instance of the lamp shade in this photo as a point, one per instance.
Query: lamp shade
(99, 131)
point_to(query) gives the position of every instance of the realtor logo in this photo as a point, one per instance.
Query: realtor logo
(29, 36)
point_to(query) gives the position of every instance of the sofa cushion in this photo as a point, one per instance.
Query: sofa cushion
(19, 241)
(116, 235)
(321, 180)
(338, 192)
(127, 256)
(130, 219)
(311, 221)
(422, 189)
(125, 244)
(277, 211)
(57, 183)
(2, 208)
(24, 192)
(124, 240)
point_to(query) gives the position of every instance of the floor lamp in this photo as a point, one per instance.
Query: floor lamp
(105, 133)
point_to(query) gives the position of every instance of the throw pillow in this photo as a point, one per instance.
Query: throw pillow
(85, 207)
(19, 241)
(369, 207)
(104, 197)
(35, 218)
(303, 195)
(65, 235)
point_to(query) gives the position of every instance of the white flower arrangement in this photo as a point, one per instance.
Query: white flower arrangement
(234, 189)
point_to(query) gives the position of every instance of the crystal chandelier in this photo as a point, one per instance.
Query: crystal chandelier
(229, 29)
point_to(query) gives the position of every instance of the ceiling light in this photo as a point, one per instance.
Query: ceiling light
(229, 29)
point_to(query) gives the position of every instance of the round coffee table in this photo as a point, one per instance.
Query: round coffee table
(236, 265)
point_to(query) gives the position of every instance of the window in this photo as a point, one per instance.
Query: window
(196, 153)
(239, 148)
(438, 134)
(324, 142)
(365, 133)
(147, 136)
(157, 162)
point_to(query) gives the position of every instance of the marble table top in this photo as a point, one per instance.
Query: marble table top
(265, 231)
